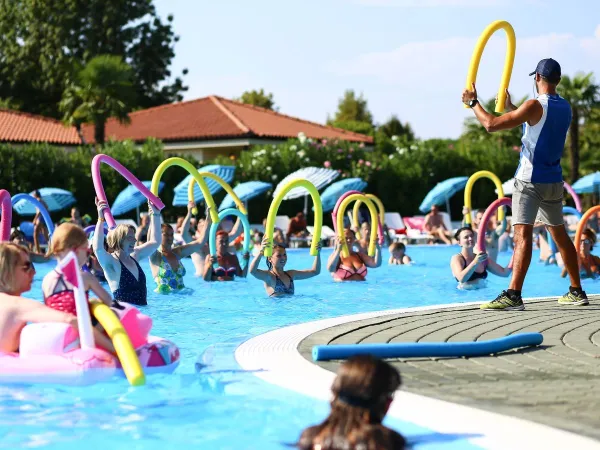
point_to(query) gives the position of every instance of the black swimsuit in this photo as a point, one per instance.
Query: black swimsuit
(131, 290)
(475, 275)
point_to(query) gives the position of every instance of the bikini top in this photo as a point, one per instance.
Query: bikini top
(62, 297)
(223, 272)
(281, 288)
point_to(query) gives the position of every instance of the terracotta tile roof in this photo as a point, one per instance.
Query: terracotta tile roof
(17, 127)
(216, 118)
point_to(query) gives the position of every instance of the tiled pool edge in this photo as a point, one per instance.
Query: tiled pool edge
(275, 354)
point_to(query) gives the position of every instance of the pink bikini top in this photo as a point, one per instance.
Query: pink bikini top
(344, 272)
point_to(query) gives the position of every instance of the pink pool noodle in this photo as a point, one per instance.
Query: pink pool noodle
(574, 195)
(6, 220)
(101, 158)
(487, 215)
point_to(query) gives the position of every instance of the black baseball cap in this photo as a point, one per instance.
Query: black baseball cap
(549, 69)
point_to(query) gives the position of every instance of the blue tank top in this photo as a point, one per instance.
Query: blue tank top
(543, 143)
(131, 290)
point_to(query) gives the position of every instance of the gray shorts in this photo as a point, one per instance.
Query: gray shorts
(541, 202)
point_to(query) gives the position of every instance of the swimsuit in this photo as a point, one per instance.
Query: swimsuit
(222, 272)
(131, 290)
(63, 298)
(280, 287)
(167, 279)
(475, 275)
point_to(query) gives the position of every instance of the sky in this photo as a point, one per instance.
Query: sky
(407, 57)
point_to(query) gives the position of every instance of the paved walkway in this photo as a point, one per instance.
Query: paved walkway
(556, 384)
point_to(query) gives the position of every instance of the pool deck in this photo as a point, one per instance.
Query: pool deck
(555, 384)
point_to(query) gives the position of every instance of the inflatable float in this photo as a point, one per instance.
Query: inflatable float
(50, 353)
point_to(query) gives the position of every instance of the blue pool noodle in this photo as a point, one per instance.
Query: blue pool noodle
(427, 349)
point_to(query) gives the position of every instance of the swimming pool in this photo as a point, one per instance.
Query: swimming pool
(209, 402)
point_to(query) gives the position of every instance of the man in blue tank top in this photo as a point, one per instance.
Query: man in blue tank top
(538, 190)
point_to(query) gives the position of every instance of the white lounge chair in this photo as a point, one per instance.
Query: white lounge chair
(416, 233)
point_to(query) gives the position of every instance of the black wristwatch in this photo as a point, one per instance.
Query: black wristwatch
(472, 103)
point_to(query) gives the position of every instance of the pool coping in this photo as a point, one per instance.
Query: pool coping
(275, 358)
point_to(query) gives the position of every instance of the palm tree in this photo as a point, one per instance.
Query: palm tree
(581, 92)
(101, 90)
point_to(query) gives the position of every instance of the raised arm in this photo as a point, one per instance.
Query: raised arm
(236, 230)
(263, 275)
(92, 283)
(531, 112)
(372, 262)
(312, 272)
(185, 225)
(334, 258)
(104, 258)
(242, 272)
(208, 267)
(187, 249)
(145, 250)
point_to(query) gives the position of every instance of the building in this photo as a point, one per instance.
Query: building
(212, 126)
(22, 128)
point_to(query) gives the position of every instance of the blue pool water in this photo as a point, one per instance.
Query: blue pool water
(209, 402)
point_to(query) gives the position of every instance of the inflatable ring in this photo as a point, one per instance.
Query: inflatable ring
(379, 222)
(39, 205)
(6, 220)
(576, 199)
(212, 241)
(427, 349)
(511, 44)
(101, 158)
(316, 198)
(566, 210)
(224, 185)
(582, 224)
(158, 173)
(340, 222)
(125, 351)
(469, 189)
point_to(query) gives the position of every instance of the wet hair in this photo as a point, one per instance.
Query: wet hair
(17, 234)
(362, 391)
(36, 193)
(115, 237)
(10, 255)
(460, 230)
(591, 235)
(67, 236)
(397, 246)
(275, 247)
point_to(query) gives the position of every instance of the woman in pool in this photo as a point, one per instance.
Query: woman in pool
(120, 263)
(589, 265)
(167, 269)
(278, 282)
(362, 244)
(354, 266)
(18, 237)
(398, 255)
(16, 277)
(228, 263)
(467, 267)
(59, 294)
(363, 391)
(493, 231)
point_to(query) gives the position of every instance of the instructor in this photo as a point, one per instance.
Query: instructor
(538, 190)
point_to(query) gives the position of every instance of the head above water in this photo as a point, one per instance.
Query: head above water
(122, 238)
(167, 235)
(465, 237)
(278, 259)
(16, 269)
(588, 240)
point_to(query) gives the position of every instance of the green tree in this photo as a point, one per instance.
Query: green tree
(353, 114)
(474, 131)
(101, 90)
(258, 98)
(582, 93)
(393, 127)
(42, 43)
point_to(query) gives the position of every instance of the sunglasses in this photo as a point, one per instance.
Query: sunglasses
(28, 266)
(585, 241)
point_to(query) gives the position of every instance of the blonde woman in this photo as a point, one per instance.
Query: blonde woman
(16, 276)
(120, 263)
